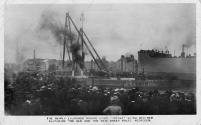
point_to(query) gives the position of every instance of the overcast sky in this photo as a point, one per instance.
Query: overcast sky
(114, 29)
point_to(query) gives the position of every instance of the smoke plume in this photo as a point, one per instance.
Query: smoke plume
(49, 22)
(77, 54)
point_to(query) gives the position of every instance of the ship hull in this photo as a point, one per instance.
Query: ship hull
(180, 68)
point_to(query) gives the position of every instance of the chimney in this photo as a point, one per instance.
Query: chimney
(122, 61)
(34, 54)
(183, 53)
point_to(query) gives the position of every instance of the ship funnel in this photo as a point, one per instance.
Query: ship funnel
(183, 53)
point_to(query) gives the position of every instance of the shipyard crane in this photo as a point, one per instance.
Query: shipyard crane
(85, 42)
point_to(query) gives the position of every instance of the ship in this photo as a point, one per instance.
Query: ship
(162, 65)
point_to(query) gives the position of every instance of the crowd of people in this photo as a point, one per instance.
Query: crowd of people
(45, 94)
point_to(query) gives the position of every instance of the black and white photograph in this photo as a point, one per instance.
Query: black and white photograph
(100, 59)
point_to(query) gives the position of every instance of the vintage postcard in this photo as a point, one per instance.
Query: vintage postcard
(101, 62)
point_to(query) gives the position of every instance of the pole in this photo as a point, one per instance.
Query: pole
(81, 30)
(66, 30)
(64, 43)
(82, 43)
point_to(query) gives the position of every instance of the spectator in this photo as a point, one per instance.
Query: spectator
(113, 109)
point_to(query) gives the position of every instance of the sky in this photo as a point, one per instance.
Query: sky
(114, 29)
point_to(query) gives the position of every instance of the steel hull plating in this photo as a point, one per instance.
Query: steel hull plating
(182, 68)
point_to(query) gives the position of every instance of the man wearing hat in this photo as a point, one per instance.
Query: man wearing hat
(114, 108)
